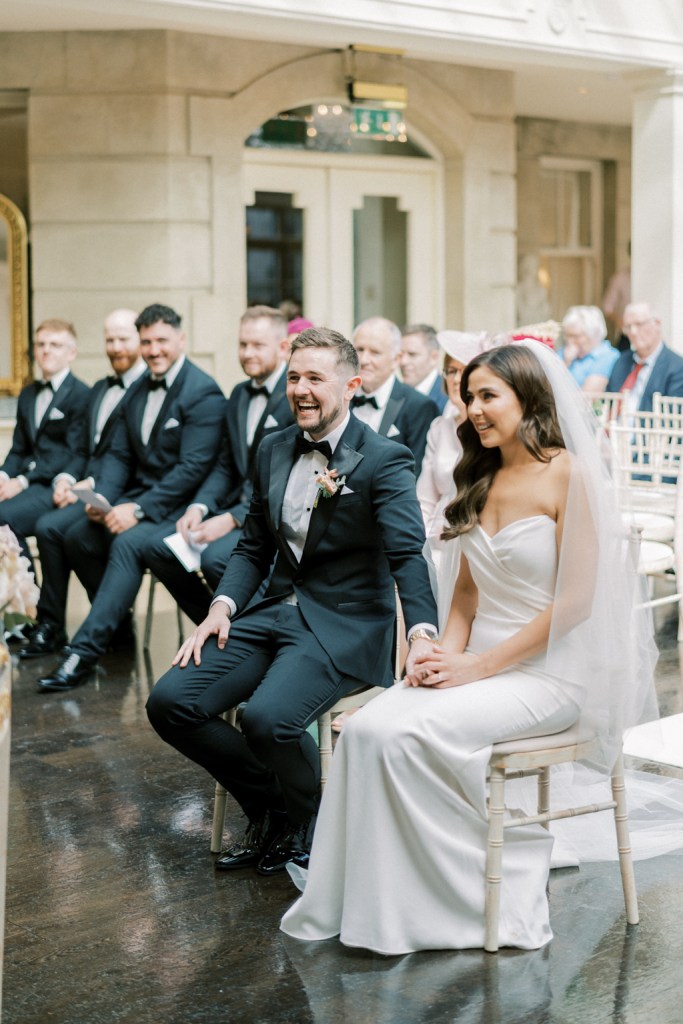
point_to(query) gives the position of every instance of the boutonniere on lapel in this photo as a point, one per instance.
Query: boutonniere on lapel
(329, 483)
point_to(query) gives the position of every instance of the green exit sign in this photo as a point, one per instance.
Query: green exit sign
(370, 123)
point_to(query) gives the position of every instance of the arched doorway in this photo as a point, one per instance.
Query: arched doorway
(347, 230)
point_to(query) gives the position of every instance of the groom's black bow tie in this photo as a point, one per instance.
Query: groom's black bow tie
(155, 384)
(359, 400)
(304, 446)
(42, 384)
(115, 382)
(255, 389)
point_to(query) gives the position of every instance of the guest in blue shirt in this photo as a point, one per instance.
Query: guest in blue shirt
(590, 358)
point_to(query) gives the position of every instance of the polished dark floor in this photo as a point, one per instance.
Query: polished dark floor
(115, 914)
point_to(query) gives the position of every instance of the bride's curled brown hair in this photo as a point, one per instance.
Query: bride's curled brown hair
(539, 431)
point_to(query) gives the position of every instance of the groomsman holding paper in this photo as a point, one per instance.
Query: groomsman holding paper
(213, 522)
(50, 414)
(165, 443)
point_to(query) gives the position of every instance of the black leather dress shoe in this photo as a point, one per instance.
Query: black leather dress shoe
(293, 845)
(71, 672)
(257, 837)
(44, 639)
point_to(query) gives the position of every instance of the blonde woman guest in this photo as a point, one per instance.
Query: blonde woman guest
(435, 486)
(589, 357)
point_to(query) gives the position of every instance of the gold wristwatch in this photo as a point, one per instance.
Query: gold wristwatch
(423, 634)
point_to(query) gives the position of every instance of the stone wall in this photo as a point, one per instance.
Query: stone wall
(135, 144)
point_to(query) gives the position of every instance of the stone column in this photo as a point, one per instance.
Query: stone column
(657, 199)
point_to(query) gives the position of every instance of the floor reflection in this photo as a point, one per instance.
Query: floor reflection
(115, 913)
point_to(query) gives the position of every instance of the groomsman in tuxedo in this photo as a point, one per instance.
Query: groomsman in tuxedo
(106, 402)
(390, 407)
(419, 360)
(334, 507)
(256, 408)
(649, 365)
(50, 415)
(164, 444)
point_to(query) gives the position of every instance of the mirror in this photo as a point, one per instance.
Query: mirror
(14, 368)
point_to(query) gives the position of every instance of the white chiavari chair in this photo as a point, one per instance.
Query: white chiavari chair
(520, 758)
(648, 460)
(607, 406)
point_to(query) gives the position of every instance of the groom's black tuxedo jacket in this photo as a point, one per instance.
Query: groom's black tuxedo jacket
(358, 543)
(42, 454)
(228, 486)
(162, 475)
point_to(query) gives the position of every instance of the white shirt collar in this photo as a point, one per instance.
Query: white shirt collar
(172, 372)
(649, 360)
(381, 395)
(427, 383)
(334, 436)
(133, 372)
(270, 382)
(58, 379)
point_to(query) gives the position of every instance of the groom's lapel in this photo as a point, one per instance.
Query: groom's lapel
(345, 459)
(281, 462)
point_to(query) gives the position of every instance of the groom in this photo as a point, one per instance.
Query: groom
(334, 507)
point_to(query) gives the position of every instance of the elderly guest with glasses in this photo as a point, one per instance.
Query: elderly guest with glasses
(650, 365)
(588, 355)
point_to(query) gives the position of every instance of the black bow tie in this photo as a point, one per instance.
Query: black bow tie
(255, 389)
(41, 385)
(154, 385)
(359, 400)
(115, 382)
(303, 446)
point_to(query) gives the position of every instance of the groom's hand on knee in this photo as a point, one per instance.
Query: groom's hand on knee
(216, 623)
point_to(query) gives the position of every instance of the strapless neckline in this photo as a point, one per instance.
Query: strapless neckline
(515, 522)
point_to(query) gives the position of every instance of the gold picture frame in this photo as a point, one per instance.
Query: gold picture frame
(14, 365)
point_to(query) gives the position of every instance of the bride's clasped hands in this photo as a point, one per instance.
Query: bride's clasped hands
(439, 669)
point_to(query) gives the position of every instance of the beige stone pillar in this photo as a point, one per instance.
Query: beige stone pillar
(657, 199)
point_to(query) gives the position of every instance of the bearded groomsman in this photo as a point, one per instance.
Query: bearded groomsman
(105, 406)
(164, 444)
(50, 415)
(215, 517)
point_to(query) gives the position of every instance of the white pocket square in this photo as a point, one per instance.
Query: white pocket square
(270, 422)
(347, 490)
(171, 423)
(393, 430)
(56, 414)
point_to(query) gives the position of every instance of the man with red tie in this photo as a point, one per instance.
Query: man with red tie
(649, 366)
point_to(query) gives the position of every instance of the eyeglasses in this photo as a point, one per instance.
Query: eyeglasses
(637, 324)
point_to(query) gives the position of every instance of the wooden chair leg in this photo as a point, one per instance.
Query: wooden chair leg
(220, 800)
(325, 746)
(544, 794)
(494, 858)
(149, 617)
(624, 842)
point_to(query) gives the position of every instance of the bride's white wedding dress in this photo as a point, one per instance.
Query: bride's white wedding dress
(398, 856)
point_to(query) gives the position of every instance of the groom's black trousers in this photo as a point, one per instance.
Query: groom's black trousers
(273, 661)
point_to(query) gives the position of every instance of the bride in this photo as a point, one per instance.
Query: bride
(541, 632)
